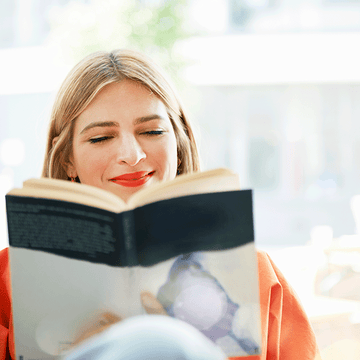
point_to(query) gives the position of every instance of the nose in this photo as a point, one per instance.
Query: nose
(130, 151)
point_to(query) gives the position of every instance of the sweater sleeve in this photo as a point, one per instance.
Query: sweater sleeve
(5, 306)
(285, 329)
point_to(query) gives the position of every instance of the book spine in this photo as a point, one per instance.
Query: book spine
(129, 238)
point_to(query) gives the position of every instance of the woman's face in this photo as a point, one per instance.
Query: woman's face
(124, 141)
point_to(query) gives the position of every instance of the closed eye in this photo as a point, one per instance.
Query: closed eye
(99, 139)
(153, 132)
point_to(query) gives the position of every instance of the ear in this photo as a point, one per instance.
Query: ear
(70, 169)
(55, 140)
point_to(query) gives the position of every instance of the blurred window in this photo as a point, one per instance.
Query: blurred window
(263, 164)
(242, 11)
(341, 2)
(7, 23)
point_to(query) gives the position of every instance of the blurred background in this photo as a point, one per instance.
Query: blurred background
(273, 89)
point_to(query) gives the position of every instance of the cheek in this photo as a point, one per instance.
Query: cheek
(169, 156)
(163, 155)
(89, 163)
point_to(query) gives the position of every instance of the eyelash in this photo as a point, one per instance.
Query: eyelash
(147, 133)
(153, 132)
(99, 139)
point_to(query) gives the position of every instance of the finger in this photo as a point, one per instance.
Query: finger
(107, 319)
(151, 304)
(97, 325)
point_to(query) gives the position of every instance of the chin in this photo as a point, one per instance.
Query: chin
(125, 196)
(125, 193)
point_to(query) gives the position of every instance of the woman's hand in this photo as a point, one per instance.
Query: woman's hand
(151, 304)
(105, 320)
(96, 326)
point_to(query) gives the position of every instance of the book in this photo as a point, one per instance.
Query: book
(77, 251)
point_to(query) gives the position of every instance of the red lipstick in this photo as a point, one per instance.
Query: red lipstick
(133, 179)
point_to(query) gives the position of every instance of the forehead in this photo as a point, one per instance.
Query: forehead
(122, 101)
(123, 93)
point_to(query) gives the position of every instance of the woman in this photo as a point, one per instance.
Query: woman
(117, 124)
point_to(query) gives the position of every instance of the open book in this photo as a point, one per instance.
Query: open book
(77, 251)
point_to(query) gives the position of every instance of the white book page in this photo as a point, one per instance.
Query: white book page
(54, 297)
(189, 184)
(216, 292)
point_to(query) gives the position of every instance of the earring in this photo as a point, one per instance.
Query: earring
(72, 179)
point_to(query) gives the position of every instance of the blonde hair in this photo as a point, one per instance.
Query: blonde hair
(82, 84)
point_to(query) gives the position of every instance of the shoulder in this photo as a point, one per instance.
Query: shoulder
(270, 277)
(269, 274)
(4, 276)
(286, 329)
(270, 286)
(273, 283)
(4, 264)
(4, 257)
(5, 302)
(4, 281)
(6, 339)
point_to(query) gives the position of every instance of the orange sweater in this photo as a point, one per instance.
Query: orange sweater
(286, 331)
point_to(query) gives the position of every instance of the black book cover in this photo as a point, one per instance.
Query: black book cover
(143, 236)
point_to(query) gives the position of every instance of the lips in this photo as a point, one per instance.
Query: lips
(133, 179)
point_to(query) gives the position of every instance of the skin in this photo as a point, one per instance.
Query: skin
(124, 130)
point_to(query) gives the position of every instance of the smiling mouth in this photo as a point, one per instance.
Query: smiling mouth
(133, 179)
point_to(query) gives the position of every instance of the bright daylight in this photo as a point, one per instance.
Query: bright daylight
(197, 159)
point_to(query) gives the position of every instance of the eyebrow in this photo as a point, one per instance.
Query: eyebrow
(143, 119)
(99, 124)
(137, 121)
